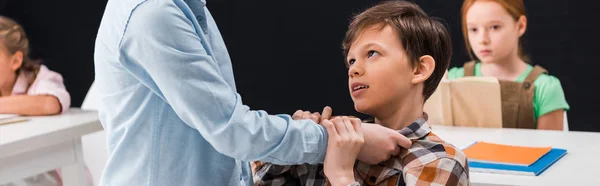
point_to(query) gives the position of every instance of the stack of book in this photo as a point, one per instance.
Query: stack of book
(506, 159)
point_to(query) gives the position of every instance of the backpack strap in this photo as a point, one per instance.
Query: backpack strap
(469, 68)
(533, 75)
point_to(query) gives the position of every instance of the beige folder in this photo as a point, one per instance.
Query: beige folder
(467, 101)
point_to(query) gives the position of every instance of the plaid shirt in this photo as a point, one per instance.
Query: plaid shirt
(430, 161)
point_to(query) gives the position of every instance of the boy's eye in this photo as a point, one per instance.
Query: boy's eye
(351, 61)
(473, 29)
(372, 53)
(495, 27)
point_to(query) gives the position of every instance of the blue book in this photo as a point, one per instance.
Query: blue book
(534, 169)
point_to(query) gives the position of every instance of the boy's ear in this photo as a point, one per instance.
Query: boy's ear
(424, 69)
(16, 60)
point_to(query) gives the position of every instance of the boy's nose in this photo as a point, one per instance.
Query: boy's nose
(355, 71)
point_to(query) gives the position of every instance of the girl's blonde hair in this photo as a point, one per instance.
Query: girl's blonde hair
(14, 39)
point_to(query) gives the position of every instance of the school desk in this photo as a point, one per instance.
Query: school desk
(45, 143)
(580, 166)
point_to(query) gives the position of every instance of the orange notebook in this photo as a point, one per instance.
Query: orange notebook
(505, 154)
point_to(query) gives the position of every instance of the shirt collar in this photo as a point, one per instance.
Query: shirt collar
(417, 129)
(375, 174)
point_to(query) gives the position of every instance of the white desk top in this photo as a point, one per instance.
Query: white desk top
(43, 130)
(579, 167)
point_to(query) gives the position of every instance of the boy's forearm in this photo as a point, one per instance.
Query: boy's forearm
(30, 105)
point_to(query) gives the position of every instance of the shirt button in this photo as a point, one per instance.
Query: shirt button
(372, 179)
(526, 85)
(199, 18)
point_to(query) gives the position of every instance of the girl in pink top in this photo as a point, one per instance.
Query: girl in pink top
(28, 88)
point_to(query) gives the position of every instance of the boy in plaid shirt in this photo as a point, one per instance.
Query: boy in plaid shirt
(396, 56)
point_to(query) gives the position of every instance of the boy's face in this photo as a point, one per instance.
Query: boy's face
(380, 73)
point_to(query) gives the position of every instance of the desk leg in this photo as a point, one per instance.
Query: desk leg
(74, 175)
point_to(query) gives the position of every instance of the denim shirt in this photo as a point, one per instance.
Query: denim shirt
(169, 105)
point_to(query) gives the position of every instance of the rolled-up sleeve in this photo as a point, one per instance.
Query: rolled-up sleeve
(51, 83)
(167, 51)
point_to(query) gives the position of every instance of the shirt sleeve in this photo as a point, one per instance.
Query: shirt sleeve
(165, 50)
(50, 83)
(444, 171)
(455, 72)
(549, 95)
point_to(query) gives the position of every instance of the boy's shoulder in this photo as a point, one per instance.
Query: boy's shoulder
(430, 148)
(433, 161)
(427, 147)
(428, 161)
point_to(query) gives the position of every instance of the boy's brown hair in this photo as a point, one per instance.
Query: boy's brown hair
(419, 34)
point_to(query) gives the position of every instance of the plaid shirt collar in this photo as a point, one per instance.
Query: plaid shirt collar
(376, 174)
